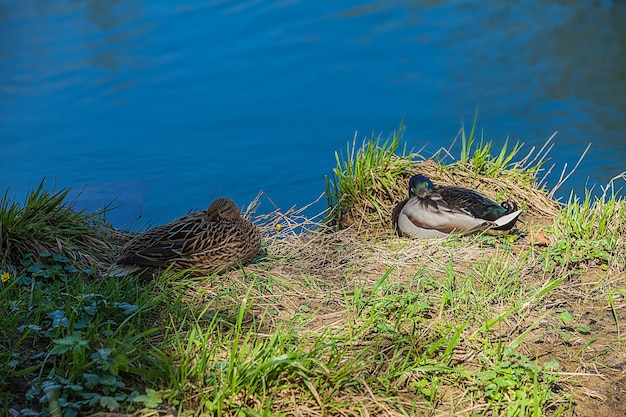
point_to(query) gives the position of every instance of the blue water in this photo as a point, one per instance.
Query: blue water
(160, 106)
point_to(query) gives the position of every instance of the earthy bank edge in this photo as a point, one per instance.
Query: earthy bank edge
(339, 318)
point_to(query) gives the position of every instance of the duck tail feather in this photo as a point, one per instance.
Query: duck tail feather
(507, 221)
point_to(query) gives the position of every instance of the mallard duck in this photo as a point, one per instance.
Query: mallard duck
(431, 211)
(205, 241)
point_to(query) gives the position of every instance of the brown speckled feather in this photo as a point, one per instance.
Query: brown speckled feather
(207, 242)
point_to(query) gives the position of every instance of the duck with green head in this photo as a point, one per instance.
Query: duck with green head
(431, 212)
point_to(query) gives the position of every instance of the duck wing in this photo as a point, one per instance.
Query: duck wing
(472, 202)
(165, 244)
(153, 236)
(207, 246)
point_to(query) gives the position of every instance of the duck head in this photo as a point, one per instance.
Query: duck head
(419, 185)
(223, 208)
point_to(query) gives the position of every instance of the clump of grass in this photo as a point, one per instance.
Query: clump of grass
(367, 175)
(588, 230)
(47, 223)
(479, 156)
(367, 182)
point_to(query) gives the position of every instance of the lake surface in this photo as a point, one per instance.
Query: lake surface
(160, 106)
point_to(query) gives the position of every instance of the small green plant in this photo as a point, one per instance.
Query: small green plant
(513, 381)
(590, 218)
(567, 252)
(586, 231)
(574, 323)
(81, 333)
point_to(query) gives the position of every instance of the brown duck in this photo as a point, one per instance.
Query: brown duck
(204, 242)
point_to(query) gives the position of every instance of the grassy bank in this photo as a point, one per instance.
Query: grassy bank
(341, 319)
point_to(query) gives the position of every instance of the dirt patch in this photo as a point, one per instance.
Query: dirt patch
(580, 329)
